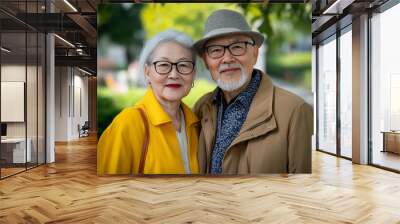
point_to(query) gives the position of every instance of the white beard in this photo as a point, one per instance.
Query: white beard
(232, 86)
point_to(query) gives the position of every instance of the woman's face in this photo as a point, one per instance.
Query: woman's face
(170, 82)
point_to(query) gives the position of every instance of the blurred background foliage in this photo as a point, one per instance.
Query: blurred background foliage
(122, 24)
(123, 29)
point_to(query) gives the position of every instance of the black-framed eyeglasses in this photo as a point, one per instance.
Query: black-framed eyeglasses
(237, 49)
(165, 67)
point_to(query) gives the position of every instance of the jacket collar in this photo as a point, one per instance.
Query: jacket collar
(261, 106)
(190, 117)
(260, 118)
(244, 96)
(157, 114)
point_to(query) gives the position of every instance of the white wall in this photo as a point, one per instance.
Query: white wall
(71, 94)
(62, 81)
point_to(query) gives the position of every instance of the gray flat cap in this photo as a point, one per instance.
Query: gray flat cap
(223, 22)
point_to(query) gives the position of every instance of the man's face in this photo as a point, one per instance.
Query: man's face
(229, 71)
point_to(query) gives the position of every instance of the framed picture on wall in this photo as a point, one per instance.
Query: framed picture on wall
(12, 101)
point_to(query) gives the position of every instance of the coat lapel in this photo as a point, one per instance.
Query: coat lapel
(209, 122)
(260, 118)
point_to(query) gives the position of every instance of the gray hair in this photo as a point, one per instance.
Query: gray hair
(162, 37)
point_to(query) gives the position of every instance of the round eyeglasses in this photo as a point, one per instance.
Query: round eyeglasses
(165, 67)
(236, 49)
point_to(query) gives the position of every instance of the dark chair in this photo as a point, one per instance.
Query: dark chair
(84, 130)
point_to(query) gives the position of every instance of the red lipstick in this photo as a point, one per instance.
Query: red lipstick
(175, 86)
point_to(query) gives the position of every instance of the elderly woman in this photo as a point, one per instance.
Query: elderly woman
(159, 134)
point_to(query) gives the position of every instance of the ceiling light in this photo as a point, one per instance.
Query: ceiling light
(337, 7)
(70, 5)
(5, 49)
(86, 72)
(64, 40)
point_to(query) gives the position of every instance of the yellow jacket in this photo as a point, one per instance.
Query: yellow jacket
(120, 145)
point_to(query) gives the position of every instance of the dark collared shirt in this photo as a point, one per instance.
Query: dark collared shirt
(230, 119)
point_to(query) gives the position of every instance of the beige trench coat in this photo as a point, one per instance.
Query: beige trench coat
(275, 137)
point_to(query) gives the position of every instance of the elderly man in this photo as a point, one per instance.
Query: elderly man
(248, 125)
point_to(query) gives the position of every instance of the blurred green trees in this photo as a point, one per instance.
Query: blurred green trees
(287, 25)
(188, 18)
(122, 24)
(130, 24)
(284, 25)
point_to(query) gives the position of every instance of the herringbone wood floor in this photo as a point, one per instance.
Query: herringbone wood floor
(70, 192)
